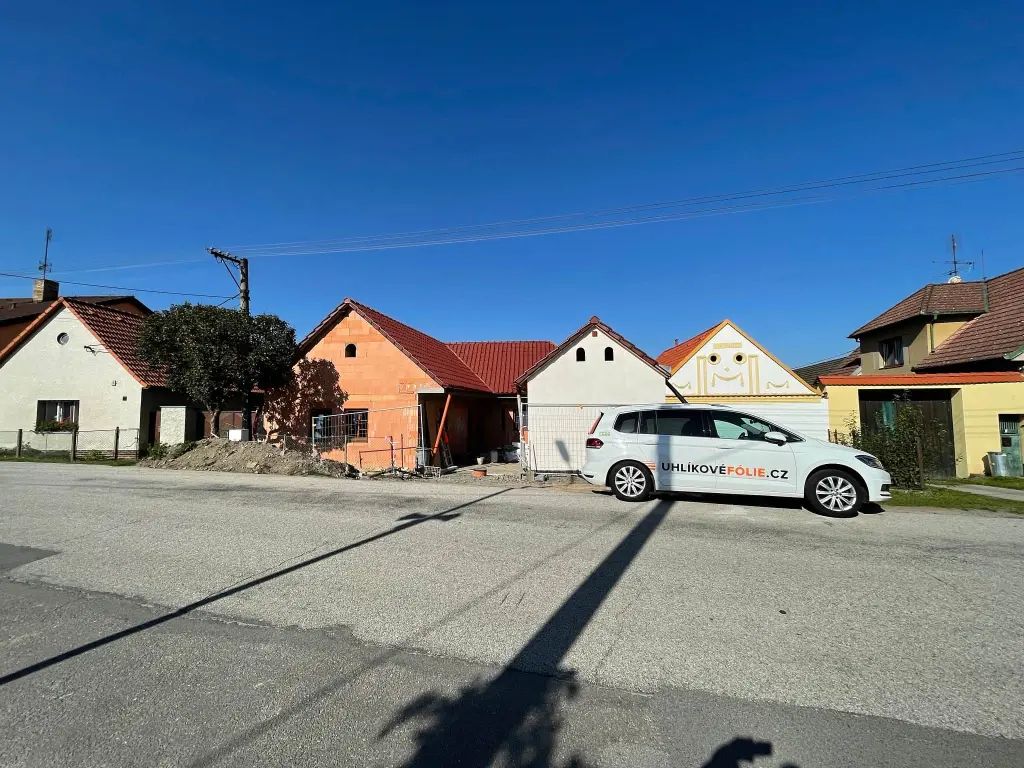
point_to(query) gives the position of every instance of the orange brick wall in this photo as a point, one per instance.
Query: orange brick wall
(379, 376)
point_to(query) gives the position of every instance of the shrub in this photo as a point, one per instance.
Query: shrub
(52, 425)
(157, 451)
(908, 446)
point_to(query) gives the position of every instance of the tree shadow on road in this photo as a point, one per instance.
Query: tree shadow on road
(514, 719)
(741, 751)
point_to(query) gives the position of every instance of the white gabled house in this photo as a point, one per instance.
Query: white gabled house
(725, 365)
(567, 388)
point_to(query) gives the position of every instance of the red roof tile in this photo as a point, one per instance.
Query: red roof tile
(999, 333)
(595, 322)
(922, 379)
(672, 356)
(117, 331)
(477, 366)
(934, 299)
(500, 363)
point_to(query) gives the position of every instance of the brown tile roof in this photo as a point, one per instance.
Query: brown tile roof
(934, 299)
(23, 308)
(117, 331)
(837, 365)
(595, 322)
(453, 366)
(500, 363)
(923, 379)
(998, 333)
(682, 351)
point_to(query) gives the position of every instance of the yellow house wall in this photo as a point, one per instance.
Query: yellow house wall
(943, 329)
(976, 409)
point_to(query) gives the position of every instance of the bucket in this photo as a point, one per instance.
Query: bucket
(998, 464)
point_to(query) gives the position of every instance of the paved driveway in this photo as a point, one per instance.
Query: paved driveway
(345, 622)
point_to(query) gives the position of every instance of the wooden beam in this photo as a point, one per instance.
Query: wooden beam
(440, 427)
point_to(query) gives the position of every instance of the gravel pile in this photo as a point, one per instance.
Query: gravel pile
(216, 454)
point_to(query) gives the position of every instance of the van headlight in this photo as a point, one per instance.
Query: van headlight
(871, 461)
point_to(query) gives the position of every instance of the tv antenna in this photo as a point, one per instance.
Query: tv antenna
(955, 263)
(45, 266)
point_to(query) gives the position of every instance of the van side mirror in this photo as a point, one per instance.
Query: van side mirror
(775, 437)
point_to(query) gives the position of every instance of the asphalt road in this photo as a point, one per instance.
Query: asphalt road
(160, 618)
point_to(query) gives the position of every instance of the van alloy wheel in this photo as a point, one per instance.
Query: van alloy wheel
(836, 493)
(630, 481)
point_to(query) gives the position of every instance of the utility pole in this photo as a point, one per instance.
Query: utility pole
(243, 275)
(243, 304)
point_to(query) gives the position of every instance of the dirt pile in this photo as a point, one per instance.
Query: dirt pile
(219, 455)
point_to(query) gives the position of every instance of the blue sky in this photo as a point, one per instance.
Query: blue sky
(142, 132)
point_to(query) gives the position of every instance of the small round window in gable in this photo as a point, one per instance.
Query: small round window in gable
(63, 338)
(739, 358)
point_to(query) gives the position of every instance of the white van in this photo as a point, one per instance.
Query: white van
(638, 450)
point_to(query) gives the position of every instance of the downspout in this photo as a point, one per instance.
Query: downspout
(675, 391)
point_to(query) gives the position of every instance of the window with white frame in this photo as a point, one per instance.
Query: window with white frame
(56, 413)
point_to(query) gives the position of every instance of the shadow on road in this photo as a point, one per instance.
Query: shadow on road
(518, 716)
(444, 516)
(741, 751)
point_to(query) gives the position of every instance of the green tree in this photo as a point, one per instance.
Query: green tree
(314, 386)
(212, 353)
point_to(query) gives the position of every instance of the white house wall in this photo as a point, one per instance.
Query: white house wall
(42, 369)
(809, 419)
(730, 364)
(624, 380)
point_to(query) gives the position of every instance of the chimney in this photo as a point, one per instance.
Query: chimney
(45, 290)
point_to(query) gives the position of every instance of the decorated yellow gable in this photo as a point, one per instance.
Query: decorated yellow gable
(725, 365)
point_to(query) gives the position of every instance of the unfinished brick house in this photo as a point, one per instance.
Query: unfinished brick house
(407, 389)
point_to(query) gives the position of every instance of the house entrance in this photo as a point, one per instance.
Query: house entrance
(1010, 441)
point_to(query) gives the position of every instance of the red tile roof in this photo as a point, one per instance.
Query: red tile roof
(23, 308)
(682, 351)
(117, 331)
(934, 299)
(500, 363)
(999, 333)
(923, 379)
(595, 322)
(452, 366)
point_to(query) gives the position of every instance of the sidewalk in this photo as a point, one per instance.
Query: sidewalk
(1011, 494)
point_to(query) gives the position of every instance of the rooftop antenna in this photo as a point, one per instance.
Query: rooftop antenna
(45, 266)
(954, 272)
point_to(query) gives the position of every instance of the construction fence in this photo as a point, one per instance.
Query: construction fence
(555, 436)
(78, 445)
(372, 440)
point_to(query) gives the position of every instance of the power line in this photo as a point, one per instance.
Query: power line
(859, 179)
(636, 221)
(123, 288)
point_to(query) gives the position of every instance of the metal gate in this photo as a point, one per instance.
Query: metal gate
(1009, 441)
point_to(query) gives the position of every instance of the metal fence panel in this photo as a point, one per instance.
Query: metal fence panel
(371, 440)
(555, 436)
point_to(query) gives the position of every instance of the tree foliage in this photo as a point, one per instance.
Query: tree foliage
(212, 353)
(314, 385)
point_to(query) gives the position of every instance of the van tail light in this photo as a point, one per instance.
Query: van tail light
(594, 442)
(596, 422)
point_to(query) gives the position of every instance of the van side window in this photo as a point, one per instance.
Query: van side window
(681, 423)
(648, 423)
(626, 422)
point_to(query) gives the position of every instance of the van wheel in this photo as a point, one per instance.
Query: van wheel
(834, 492)
(631, 481)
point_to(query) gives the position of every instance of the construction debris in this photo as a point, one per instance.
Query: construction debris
(219, 455)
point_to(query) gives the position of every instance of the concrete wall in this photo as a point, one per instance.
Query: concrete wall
(42, 369)
(624, 380)
(976, 409)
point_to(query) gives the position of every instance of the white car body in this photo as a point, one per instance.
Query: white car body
(718, 449)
